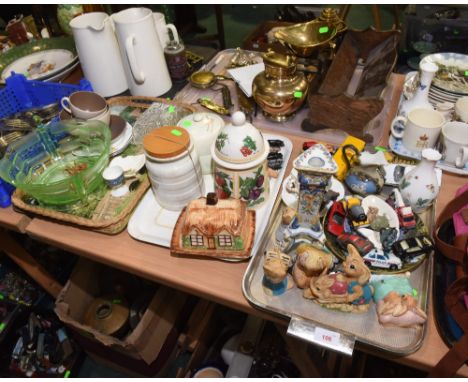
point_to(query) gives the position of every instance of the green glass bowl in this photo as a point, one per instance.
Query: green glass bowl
(20, 51)
(59, 163)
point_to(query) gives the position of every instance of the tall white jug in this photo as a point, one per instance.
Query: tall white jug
(99, 53)
(142, 54)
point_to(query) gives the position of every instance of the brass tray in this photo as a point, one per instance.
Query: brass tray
(363, 328)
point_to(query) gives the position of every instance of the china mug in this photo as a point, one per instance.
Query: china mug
(421, 128)
(455, 143)
(461, 109)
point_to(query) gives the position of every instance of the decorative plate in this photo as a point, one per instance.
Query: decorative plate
(40, 65)
(23, 50)
(453, 71)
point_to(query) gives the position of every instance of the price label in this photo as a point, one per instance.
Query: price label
(298, 94)
(171, 109)
(187, 123)
(2, 326)
(323, 30)
(327, 336)
(2, 297)
(466, 73)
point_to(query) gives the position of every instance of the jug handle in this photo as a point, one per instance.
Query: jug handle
(138, 75)
(175, 35)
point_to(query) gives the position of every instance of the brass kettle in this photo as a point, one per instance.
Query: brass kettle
(279, 90)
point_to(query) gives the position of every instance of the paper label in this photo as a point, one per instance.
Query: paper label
(327, 336)
(323, 30)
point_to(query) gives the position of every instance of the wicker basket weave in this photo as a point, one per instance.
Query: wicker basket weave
(104, 218)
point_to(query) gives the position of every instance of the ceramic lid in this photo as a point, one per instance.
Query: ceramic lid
(208, 121)
(239, 142)
(431, 154)
(166, 142)
(316, 159)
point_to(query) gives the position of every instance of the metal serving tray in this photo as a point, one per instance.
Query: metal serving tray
(333, 329)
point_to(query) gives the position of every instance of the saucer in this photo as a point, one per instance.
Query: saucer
(452, 168)
(122, 141)
(396, 145)
(291, 198)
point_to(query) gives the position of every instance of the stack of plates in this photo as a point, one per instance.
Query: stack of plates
(451, 80)
(48, 60)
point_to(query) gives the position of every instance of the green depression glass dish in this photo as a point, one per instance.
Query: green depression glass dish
(59, 163)
(23, 50)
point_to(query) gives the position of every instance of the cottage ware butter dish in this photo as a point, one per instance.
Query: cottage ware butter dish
(214, 228)
(240, 155)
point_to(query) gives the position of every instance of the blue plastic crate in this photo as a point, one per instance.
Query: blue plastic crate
(21, 94)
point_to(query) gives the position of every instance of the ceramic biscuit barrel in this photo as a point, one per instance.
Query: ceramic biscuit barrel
(173, 167)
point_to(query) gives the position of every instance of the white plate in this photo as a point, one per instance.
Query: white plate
(153, 224)
(122, 141)
(384, 209)
(291, 198)
(63, 74)
(452, 168)
(61, 58)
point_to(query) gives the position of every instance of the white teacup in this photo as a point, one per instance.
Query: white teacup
(455, 142)
(461, 109)
(421, 129)
(84, 104)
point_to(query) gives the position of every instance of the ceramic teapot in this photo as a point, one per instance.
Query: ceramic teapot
(363, 180)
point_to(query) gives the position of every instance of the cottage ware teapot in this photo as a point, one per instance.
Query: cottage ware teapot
(240, 154)
(99, 53)
(142, 54)
(363, 180)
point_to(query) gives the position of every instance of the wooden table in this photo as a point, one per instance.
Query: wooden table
(211, 279)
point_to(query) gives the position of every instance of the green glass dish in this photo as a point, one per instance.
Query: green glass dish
(59, 163)
(20, 51)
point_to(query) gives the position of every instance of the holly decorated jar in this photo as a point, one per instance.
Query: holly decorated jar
(240, 162)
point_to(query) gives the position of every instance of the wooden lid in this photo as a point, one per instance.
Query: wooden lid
(166, 141)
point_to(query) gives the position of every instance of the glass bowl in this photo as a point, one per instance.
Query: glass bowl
(59, 163)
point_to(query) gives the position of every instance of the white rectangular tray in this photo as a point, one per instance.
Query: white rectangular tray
(153, 224)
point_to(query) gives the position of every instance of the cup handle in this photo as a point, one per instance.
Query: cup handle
(395, 133)
(65, 102)
(462, 157)
(173, 29)
(138, 75)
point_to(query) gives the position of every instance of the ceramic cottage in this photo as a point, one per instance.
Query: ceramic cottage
(240, 155)
(208, 227)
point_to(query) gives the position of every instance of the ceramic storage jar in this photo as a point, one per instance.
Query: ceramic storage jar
(173, 167)
(203, 128)
(240, 162)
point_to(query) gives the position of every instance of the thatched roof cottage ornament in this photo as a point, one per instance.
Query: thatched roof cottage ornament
(214, 228)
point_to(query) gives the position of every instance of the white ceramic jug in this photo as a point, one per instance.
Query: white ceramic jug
(141, 51)
(162, 29)
(99, 53)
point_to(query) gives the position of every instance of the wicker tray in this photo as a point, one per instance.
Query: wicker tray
(110, 216)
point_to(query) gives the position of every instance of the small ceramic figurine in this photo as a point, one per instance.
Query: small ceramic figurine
(315, 167)
(276, 279)
(310, 261)
(396, 301)
(347, 291)
(208, 227)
